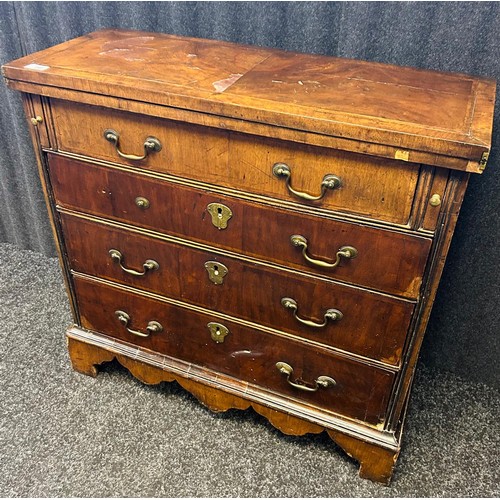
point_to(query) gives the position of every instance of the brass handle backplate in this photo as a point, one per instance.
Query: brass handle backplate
(329, 182)
(321, 382)
(151, 145)
(152, 326)
(346, 252)
(149, 264)
(330, 314)
(218, 332)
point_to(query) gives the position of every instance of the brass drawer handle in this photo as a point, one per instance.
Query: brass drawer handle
(347, 252)
(151, 145)
(330, 314)
(329, 181)
(321, 381)
(124, 319)
(149, 265)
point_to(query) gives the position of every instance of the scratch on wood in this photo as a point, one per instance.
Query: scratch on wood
(245, 352)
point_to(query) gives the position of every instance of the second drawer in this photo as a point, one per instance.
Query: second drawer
(386, 260)
(365, 323)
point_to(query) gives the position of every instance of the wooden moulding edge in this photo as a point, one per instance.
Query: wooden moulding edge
(152, 368)
(467, 159)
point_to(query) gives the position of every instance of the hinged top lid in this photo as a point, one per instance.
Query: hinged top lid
(437, 113)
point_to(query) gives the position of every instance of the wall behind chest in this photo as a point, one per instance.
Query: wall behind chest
(462, 333)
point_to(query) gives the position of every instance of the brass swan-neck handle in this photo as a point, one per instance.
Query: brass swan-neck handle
(151, 145)
(346, 252)
(149, 264)
(329, 182)
(321, 382)
(330, 314)
(152, 326)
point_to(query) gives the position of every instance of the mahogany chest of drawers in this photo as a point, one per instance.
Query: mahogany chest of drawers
(266, 228)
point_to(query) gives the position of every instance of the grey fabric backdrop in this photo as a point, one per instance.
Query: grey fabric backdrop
(462, 37)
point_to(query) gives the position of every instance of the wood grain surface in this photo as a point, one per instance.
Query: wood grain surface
(254, 229)
(376, 103)
(373, 325)
(373, 187)
(362, 391)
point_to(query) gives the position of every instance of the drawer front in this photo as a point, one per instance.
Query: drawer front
(372, 325)
(373, 187)
(361, 390)
(386, 260)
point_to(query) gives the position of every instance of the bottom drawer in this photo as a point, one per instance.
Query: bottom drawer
(361, 391)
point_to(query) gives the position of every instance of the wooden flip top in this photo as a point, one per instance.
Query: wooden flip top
(410, 111)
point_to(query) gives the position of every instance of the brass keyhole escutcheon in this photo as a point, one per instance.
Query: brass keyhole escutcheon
(216, 271)
(218, 332)
(220, 214)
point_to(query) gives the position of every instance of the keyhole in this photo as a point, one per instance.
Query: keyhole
(219, 212)
(217, 331)
(216, 270)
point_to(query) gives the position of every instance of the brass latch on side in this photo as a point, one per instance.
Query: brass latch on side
(435, 200)
(36, 120)
(484, 160)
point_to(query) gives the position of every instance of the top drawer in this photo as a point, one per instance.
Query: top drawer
(372, 187)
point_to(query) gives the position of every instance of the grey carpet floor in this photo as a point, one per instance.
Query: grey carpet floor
(65, 434)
